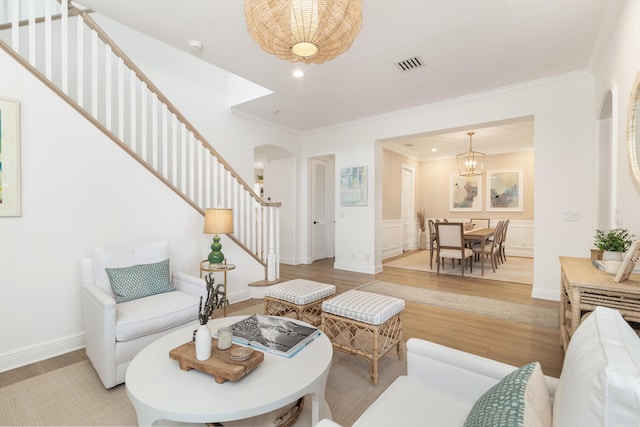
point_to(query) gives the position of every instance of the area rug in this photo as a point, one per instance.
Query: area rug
(74, 395)
(503, 310)
(516, 269)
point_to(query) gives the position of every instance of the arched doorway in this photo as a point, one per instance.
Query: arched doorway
(605, 155)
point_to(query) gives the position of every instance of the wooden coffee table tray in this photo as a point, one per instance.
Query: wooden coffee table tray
(220, 364)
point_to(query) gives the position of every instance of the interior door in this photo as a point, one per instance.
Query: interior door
(407, 211)
(321, 218)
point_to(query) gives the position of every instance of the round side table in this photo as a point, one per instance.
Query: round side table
(208, 269)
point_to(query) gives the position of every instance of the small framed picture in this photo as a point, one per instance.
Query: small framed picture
(633, 254)
(353, 186)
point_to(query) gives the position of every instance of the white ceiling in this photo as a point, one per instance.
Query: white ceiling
(467, 46)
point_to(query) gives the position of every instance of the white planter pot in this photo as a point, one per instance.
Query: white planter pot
(203, 343)
(612, 256)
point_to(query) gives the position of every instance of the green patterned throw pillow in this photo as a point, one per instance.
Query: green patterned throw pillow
(138, 281)
(519, 399)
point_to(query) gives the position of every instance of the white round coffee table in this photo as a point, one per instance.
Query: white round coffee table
(160, 390)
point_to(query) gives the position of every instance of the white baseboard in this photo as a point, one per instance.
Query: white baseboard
(545, 294)
(36, 353)
(242, 295)
(368, 269)
(391, 252)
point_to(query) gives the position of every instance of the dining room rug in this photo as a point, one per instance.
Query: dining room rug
(515, 270)
(74, 395)
(513, 312)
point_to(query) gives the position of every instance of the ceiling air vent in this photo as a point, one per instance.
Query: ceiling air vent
(410, 64)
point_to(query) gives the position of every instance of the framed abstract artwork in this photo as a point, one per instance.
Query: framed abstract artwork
(505, 190)
(353, 186)
(465, 193)
(9, 157)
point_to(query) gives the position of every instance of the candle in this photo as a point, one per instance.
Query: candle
(224, 337)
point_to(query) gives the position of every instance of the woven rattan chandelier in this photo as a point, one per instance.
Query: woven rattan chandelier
(304, 30)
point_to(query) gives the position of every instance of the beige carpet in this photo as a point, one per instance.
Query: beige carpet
(503, 310)
(516, 269)
(74, 395)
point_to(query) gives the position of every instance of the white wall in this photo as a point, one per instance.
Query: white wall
(563, 109)
(618, 71)
(80, 191)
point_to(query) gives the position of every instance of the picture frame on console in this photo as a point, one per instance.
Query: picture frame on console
(629, 263)
(10, 204)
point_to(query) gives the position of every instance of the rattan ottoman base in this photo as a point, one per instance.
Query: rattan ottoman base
(309, 313)
(370, 342)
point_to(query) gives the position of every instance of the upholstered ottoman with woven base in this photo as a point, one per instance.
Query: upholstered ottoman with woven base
(364, 324)
(298, 298)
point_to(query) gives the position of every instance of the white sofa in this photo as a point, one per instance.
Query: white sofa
(116, 332)
(599, 384)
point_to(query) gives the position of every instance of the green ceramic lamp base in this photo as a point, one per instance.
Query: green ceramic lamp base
(216, 256)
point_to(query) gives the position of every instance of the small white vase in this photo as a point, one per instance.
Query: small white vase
(611, 256)
(203, 343)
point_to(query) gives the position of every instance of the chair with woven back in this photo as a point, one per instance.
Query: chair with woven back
(481, 222)
(491, 247)
(502, 256)
(432, 241)
(450, 243)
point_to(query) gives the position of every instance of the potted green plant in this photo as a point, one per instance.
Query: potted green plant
(613, 243)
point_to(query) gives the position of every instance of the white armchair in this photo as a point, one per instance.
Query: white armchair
(116, 332)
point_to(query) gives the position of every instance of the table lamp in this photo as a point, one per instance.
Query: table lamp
(217, 221)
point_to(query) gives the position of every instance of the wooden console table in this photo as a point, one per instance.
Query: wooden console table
(584, 287)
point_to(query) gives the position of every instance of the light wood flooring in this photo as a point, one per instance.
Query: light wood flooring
(512, 343)
(508, 342)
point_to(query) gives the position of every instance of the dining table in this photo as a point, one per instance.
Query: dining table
(480, 234)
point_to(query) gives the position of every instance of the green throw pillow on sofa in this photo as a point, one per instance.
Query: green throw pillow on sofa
(138, 281)
(519, 399)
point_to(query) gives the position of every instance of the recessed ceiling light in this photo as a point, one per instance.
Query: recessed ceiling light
(298, 73)
(275, 111)
(434, 149)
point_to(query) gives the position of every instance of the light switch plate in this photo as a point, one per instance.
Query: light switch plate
(570, 216)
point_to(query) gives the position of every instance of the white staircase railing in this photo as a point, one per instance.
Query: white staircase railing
(63, 46)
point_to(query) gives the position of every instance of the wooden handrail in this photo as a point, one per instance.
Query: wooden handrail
(132, 66)
(254, 240)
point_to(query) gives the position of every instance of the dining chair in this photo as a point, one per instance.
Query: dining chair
(481, 222)
(491, 247)
(432, 242)
(502, 256)
(450, 242)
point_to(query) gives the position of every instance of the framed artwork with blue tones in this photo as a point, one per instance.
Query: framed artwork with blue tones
(353, 186)
(505, 190)
(465, 193)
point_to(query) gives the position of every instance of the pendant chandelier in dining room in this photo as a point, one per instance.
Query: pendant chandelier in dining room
(304, 30)
(470, 162)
